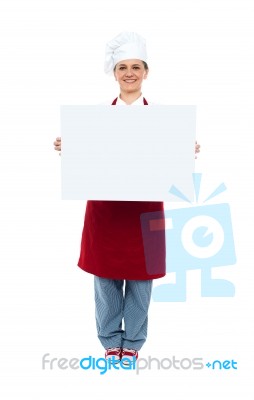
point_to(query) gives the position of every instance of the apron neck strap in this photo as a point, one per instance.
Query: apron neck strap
(115, 100)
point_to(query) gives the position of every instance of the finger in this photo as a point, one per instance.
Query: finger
(57, 141)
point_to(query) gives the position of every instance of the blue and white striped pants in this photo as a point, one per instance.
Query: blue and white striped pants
(115, 304)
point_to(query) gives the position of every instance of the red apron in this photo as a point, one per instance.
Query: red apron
(112, 243)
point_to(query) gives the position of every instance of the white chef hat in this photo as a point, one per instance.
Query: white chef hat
(125, 46)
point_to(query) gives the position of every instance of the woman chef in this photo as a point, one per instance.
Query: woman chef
(111, 246)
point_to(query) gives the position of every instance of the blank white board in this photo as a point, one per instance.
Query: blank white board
(127, 153)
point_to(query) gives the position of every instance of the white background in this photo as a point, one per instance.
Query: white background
(52, 53)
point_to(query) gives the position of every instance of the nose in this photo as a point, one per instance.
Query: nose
(129, 72)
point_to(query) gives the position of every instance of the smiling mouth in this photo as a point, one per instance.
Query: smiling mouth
(130, 80)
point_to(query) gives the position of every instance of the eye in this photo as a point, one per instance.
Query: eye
(121, 68)
(136, 67)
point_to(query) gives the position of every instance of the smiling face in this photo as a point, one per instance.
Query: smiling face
(130, 75)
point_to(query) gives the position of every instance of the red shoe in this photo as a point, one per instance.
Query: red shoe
(113, 354)
(129, 356)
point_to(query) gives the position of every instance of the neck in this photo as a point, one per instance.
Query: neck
(129, 98)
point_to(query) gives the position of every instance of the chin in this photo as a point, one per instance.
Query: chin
(131, 89)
